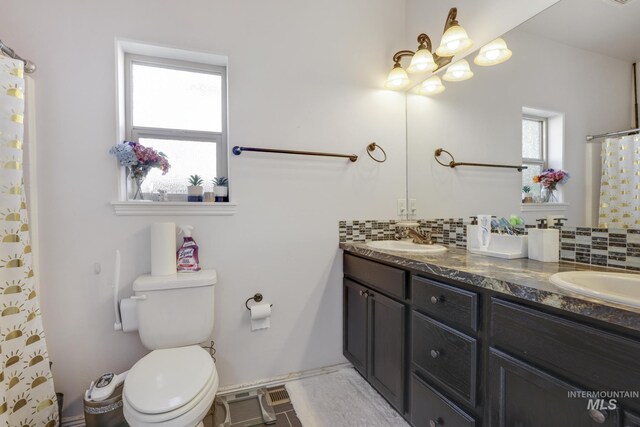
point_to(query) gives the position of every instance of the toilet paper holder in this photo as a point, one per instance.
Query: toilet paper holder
(256, 298)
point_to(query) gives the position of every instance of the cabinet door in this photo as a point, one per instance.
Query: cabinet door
(354, 344)
(386, 348)
(521, 395)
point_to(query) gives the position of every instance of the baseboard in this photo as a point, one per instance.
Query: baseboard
(78, 420)
(268, 382)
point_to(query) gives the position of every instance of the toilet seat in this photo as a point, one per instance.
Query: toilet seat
(170, 387)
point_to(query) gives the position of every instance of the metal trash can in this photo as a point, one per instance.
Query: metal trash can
(107, 413)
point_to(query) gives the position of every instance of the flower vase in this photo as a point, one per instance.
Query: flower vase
(549, 195)
(135, 191)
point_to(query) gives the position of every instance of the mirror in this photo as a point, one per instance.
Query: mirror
(572, 69)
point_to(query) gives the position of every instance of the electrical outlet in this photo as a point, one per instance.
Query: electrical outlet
(412, 206)
(402, 207)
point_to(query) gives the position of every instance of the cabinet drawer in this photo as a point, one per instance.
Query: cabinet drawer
(587, 355)
(451, 305)
(387, 279)
(445, 356)
(430, 409)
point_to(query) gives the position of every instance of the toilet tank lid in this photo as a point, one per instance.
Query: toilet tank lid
(196, 279)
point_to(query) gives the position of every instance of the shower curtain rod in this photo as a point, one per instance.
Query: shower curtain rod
(29, 67)
(619, 133)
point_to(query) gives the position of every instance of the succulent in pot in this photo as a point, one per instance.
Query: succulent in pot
(195, 189)
(221, 188)
(526, 194)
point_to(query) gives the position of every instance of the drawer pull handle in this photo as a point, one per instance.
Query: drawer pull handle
(435, 354)
(435, 423)
(435, 300)
(598, 416)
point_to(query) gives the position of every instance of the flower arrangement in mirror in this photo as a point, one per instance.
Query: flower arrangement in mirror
(550, 179)
(139, 160)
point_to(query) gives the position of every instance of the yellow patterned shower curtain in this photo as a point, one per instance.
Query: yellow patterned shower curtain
(620, 184)
(27, 396)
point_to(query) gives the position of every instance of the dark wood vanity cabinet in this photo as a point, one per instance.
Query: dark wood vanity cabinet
(374, 327)
(539, 360)
(479, 358)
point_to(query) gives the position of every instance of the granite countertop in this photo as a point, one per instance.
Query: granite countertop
(522, 278)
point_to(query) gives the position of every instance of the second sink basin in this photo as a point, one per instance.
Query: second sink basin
(620, 288)
(404, 246)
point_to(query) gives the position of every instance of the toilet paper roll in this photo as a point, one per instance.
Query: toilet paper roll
(260, 316)
(129, 315)
(163, 249)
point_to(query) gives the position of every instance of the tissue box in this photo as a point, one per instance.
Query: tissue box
(500, 245)
(544, 244)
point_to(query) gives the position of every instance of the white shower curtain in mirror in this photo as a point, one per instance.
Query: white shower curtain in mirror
(620, 184)
(27, 396)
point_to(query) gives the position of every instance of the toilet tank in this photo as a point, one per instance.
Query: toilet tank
(175, 310)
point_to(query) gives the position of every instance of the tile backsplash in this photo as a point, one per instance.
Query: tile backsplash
(449, 232)
(607, 247)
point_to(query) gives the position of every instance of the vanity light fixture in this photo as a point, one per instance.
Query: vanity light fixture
(493, 53)
(423, 60)
(432, 86)
(458, 72)
(455, 39)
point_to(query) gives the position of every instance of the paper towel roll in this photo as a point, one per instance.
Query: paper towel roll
(129, 315)
(163, 248)
(260, 316)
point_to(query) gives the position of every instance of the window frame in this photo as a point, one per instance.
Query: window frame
(134, 133)
(542, 160)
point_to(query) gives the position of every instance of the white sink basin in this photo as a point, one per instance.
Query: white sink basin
(620, 288)
(403, 246)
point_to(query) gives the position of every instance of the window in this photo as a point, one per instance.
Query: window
(534, 151)
(179, 108)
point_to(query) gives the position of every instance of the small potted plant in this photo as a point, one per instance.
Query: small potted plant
(526, 196)
(196, 190)
(221, 189)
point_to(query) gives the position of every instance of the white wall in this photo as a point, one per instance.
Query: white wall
(479, 121)
(302, 75)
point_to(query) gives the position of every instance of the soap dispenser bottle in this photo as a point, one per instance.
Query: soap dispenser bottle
(544, 242)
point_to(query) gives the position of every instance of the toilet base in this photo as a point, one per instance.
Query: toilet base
(200, 424)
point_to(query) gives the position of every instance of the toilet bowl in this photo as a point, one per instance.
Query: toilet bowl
(176, 384)
(173, 387)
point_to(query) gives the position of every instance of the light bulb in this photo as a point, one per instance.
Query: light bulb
(422, 61)
(432, 86)
(493, 53)
(458, 71)
(397, 79)
(454, 41)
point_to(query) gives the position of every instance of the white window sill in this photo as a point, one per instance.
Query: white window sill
(174, 208)
(543, 207)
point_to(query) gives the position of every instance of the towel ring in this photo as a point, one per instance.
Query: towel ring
(371, 147)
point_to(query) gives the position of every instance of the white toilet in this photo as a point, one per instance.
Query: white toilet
(175, 384)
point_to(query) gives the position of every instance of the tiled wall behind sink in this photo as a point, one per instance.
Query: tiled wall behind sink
(609, 247)
(450, 231)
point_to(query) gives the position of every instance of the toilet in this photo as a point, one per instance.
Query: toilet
(176, 383)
